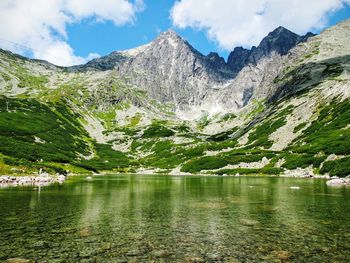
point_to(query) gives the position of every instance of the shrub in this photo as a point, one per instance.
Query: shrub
(156, 130)
(339, 167)
(204, 163)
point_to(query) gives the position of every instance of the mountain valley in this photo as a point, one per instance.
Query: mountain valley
(281, 108)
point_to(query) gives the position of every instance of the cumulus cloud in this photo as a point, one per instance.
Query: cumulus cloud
(245, 23)
(39, 26)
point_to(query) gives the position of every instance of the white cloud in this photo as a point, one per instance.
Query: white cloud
(39, 26)
(245, 22)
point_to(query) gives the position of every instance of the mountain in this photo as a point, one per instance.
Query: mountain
(168, 68)
(280, 41)
(166, 108)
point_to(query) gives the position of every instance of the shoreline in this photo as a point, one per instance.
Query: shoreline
(48, 179)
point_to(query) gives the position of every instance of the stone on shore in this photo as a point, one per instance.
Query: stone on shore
(339, 182)
(42, 179)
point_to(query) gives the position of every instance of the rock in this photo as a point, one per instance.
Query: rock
(60, 178)
(339, 182)
(281, 40)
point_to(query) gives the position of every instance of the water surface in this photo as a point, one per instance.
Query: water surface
(185, 219)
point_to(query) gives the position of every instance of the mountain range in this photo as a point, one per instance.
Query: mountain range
(279, 108)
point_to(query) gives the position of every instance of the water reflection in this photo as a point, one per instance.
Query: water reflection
(143, 218)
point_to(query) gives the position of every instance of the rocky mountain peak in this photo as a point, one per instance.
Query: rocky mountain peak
(215, 58)
(170, 39)
(280, 41)
(170, 33)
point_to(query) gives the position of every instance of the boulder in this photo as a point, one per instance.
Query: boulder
(339, 182)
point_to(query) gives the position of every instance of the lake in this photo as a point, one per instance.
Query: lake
(134, 218)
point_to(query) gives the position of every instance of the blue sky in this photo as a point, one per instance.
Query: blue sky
(69, 32)
(103, 38)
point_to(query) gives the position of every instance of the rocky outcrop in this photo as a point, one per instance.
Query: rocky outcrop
(39, 180)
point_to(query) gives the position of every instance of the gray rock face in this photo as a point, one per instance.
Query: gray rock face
(216, 59)
(171, 71)
(168, 68)
(238, 58)
(279, 41)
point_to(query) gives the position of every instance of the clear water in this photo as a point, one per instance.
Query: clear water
(184, 219)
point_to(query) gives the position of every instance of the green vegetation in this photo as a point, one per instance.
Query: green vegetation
(135, 120)
(293, 161)
(157, 130)
(223, 136)
(259, 107)
(268, 170)
(329, 133)
(37, 135)
(32, 81)
(340, 167)
(260, 137)
(50, 135)
(228, 117)
(221, 160)
(299, 127)
(35, 131)
(106, 159)
(5, 76)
